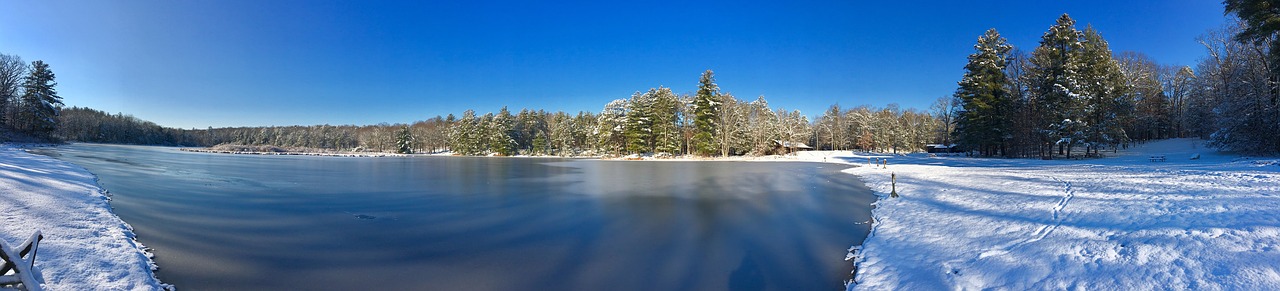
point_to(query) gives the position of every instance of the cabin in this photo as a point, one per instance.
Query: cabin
(788, 147)
(941, 149)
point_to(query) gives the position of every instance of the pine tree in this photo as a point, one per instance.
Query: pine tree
(666, 118)
(706, 110)
(640, 122)
(609, 132)
(500, 133)
(539, 143)
(1054, 88)
(983, 123)
(404, 141)
(40, 100)
(1262, 19)
(464, 136)
(1104, 93)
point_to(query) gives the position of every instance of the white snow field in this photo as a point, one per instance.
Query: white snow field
(85, 246)
(1119, 223)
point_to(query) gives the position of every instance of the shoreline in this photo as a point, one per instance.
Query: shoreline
(86, 246)
(832, 157)
(352, 155)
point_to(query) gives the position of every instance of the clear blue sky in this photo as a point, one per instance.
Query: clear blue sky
(250, 63)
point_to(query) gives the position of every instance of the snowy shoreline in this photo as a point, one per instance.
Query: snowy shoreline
(1122, 222)
(86, 246)
(356, 155)
(811, 156)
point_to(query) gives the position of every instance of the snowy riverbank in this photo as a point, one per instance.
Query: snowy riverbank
(86, 247)
(1123, 222)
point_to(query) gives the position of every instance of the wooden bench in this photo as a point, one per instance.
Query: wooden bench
(23, 269)
(1157, 158)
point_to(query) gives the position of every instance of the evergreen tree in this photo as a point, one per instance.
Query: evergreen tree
(652, 122)
(1104, 93)
(706, 110)
(40, 100)
(464, 136)
(610, 127)
(640, 120)
(982, 122)
(1053, 84)
(1262, 25)
(540, 143)
(404, 141)
(499, 133)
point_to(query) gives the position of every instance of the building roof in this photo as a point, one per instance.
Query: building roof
(792, 144)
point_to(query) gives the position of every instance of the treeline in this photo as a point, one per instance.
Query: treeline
(1071, 92)
(707, 123)
(656, 121)
(89, 125)
(29, 103)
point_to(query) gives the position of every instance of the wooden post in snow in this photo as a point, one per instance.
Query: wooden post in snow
(893, 182)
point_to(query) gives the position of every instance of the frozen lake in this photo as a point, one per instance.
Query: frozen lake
(232, 222)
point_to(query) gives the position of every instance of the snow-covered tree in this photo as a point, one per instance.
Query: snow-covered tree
(404, 141)
(1107, 103)
(832, 131)
(706, 110)
(1261, 27)
(666, 121)
(1053, 81)
(982, 123)
(762, 126)
(499, 133)
(465, 135)
(1234, 95)
(40, 101)
(640, 122)
(610, 127)
(731, 120)
(1151, 118)
(1177, 83)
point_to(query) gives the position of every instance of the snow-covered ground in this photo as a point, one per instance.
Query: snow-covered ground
(1123, 222)
(86, 247)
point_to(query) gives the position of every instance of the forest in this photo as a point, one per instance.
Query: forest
(1070, 96)
(1072, 92)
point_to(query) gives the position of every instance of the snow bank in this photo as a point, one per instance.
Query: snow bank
(86, 247)
(1123, 222)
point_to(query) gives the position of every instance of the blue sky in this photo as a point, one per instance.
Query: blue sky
(254, 63)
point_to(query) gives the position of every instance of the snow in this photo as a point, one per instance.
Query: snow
(86, 247)
(1122, 222)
